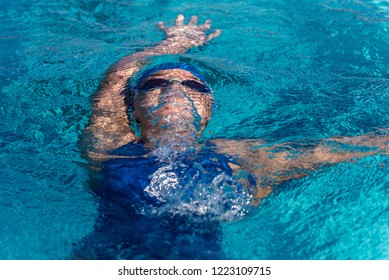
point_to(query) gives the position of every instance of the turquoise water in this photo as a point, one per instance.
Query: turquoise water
(281, 71)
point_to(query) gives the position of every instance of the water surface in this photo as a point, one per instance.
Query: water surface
(281, 71)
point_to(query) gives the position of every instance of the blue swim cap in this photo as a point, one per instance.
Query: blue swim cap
(165, 66)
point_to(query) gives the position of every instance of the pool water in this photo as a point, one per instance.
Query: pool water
(281, 71)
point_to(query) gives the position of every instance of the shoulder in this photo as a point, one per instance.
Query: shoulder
(256, 156)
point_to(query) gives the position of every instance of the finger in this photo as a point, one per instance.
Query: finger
(206, 25)
(214, 34)
(193, 20)
(180, 20)
(161, 25)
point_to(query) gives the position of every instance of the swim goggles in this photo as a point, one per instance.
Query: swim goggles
(201, 85)
(155, 83)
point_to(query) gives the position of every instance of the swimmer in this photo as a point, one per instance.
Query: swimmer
(172, 103)
(166, 165)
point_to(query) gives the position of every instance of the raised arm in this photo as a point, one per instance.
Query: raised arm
(109, 125)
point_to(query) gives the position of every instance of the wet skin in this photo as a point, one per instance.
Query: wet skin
(173, 103)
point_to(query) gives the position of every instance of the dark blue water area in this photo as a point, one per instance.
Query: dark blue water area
(282, 71)
(9, 44)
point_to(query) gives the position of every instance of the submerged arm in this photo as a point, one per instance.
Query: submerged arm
(341, 149)
(284, 162)
(273, 165)
(109, 125)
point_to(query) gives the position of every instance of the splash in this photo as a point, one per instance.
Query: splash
(191, 190)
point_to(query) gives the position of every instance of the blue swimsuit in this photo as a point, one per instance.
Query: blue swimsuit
(123, 231)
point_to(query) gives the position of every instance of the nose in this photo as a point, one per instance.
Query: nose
(174, 90)
(174, 84)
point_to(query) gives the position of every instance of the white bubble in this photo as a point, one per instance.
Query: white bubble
(220, 197)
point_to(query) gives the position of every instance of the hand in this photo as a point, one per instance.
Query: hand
(188, 36)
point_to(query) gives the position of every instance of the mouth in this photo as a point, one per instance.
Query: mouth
(173, 132)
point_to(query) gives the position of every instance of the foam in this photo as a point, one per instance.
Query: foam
(223, 199)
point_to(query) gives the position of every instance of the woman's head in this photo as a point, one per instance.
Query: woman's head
(171, 101)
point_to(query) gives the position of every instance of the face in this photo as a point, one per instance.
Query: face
(172, 100)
